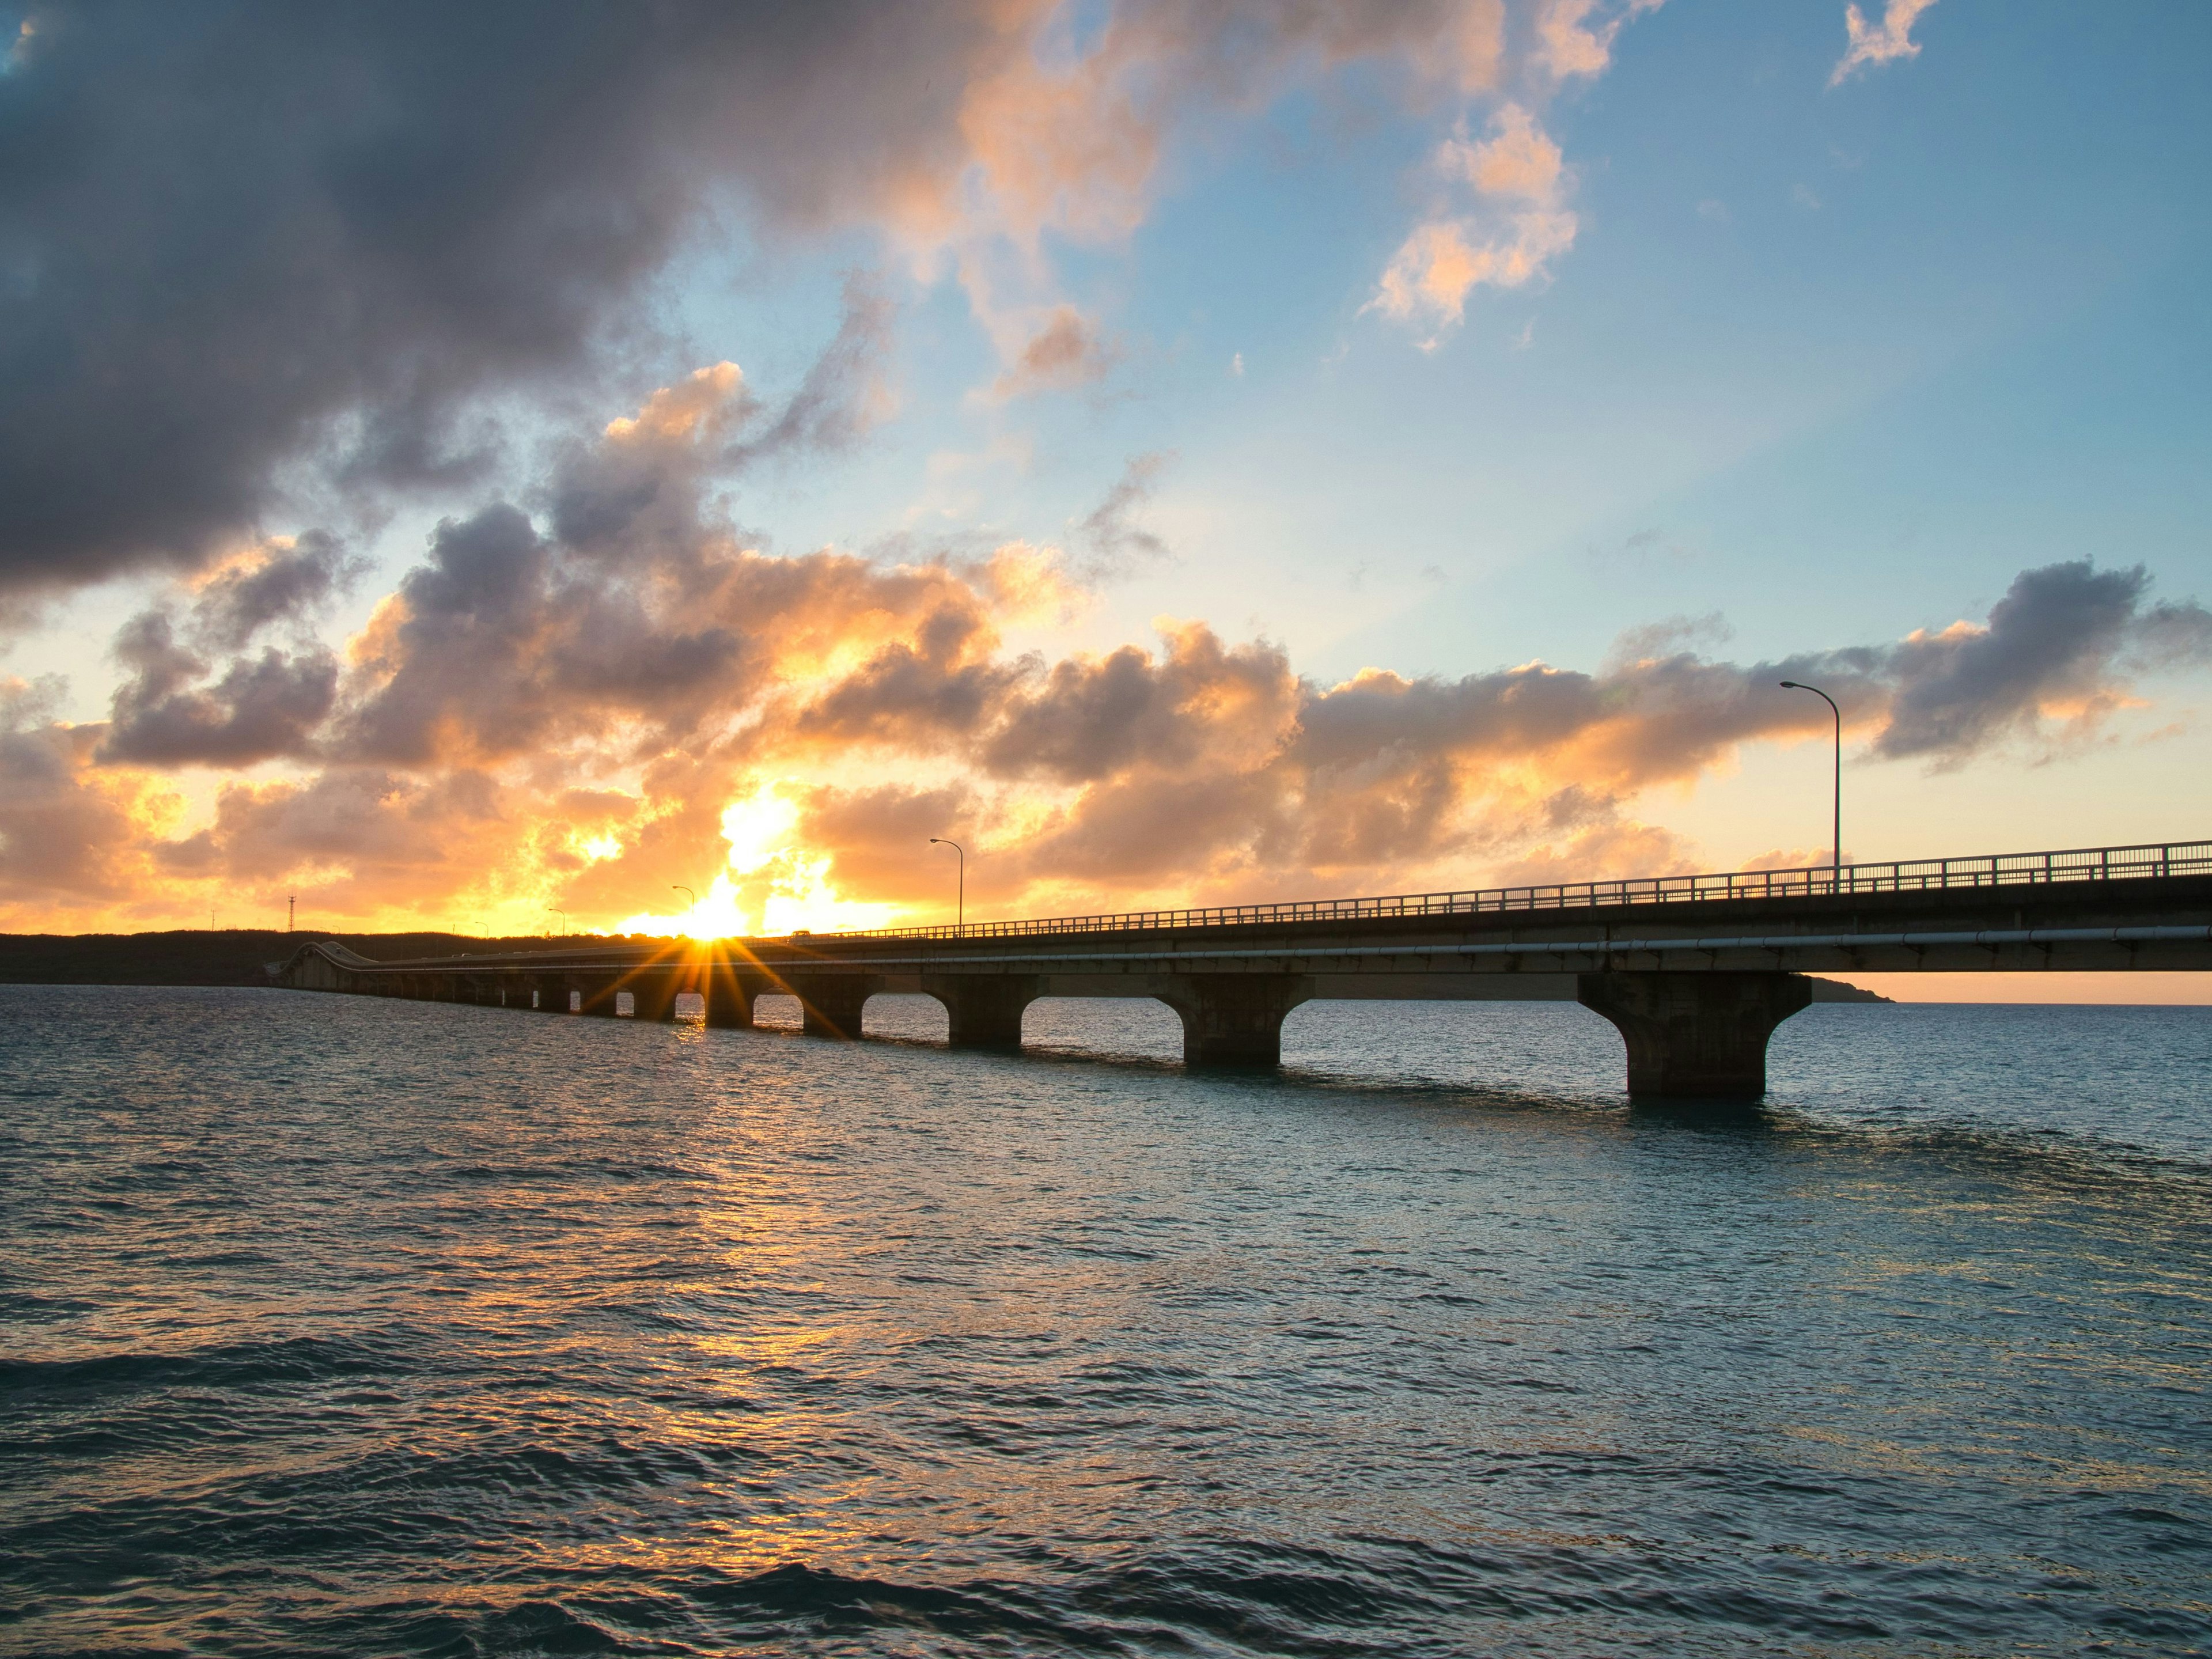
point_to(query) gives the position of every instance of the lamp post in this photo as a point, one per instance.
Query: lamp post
(1794, 685)
(960, 908)
(555, 909)
(678, 887)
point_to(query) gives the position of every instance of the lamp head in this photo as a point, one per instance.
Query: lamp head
(1791, 685)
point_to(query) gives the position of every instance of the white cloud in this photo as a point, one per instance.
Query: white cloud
(1879, 43)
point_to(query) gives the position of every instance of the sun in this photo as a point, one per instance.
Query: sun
(770, 885)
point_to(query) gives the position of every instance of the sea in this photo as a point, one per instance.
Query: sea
(340, 1326)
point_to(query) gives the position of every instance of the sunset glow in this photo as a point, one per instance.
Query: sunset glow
(769, 885)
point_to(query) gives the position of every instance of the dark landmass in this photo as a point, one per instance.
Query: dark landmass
(1834, 990)
(235, 956)
(230, 956)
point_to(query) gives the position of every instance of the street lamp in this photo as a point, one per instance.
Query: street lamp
(960, 910)
(678, 887)
(1793, 685)
(555, 909)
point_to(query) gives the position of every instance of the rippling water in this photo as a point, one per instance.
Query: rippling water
(348, 1327)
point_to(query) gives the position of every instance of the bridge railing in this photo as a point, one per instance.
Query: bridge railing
(1905, 876)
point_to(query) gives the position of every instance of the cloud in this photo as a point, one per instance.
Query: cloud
(176, 707)
(71, 834)
(1066, 351)
(1113, 544)
(2051, 657)
(1879, 43)
(1509, 244)
(1517, 161)
(1428, 279)
(1575, 37)
(260, 708)
(284, 581)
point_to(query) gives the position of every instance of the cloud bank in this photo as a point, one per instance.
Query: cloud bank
(558, 707)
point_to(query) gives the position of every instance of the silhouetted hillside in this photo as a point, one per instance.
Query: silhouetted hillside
(231, 956)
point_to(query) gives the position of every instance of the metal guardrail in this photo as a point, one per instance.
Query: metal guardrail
(1907, 876)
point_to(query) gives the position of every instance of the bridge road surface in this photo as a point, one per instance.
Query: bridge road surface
(1695, 972)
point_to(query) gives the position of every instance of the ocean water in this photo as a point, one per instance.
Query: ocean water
(347, 1327)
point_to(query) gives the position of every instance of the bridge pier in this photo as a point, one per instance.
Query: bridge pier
(599, 995)
(729, 1001)
(654, 996)
(1695, 1034)
(830, 1006)
(1235, 1019)
(984, 1011)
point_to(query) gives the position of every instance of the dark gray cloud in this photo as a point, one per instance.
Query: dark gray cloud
(179, 706)
(2062, 635)
(236, 234)
(288, 585)
(259, 707)
(1087, 719)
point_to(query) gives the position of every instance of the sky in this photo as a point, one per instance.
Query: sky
(506, 468)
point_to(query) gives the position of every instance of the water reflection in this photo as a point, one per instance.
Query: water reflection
(342, 1326)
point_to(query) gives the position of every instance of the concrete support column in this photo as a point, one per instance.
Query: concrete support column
(1694, 1035)
(1235, 1020)
(984, 1011)
(656, 995)
(830, 1004)
(598, 993)
(729, 1002)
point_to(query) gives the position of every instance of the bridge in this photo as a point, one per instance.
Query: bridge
(1694, 971)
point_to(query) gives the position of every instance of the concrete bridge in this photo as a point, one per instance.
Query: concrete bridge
(1694, 971)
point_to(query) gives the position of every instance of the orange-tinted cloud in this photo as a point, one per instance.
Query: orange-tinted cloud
(1879, 43)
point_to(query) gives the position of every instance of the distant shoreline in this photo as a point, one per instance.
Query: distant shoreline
(224, 956)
